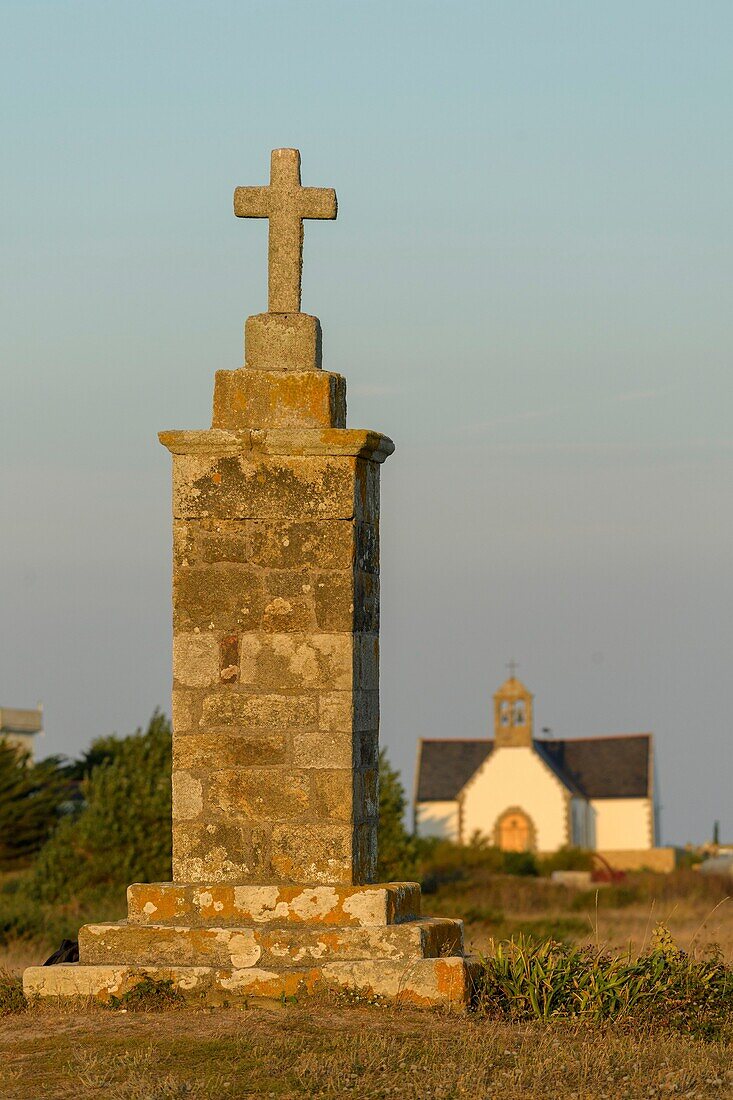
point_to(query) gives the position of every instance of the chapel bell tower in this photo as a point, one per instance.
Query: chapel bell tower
(513, 714)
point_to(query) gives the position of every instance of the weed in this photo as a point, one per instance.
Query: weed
(149, 995)
(12, 998)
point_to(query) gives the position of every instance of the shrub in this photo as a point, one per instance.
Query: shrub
(31, 797)
(398, 851)
(566, 859)
(120, 834)
(123, 834)
(443, 861)
(527, 979)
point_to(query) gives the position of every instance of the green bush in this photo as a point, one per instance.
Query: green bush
(566, 859)
(443, 861)
(120, 834)
(398, 850)
(528, 979)
(123, 833)
(31, 799)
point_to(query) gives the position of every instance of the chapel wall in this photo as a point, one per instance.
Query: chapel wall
(438, 819)
(624, 823)
(516, 778)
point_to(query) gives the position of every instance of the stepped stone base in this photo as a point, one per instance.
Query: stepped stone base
(424, 983)
(224, 942)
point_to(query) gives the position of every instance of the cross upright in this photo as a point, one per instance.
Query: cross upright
(512, 666)
(285, 203)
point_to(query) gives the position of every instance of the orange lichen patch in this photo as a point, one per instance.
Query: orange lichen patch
(278, 399)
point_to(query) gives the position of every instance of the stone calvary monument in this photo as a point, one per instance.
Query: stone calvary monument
(275, 690)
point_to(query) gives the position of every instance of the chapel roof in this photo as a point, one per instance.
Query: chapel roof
(443, 767)
(595, 767)
(606, 767)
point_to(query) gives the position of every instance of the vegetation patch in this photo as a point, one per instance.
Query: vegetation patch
(149, 995)
(547, 980)
(12, 998)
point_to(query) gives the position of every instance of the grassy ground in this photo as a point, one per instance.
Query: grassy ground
(330, 1051)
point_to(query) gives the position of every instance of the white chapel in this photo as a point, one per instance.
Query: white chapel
(527, 794)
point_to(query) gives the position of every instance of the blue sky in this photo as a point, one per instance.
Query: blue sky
(528, 287)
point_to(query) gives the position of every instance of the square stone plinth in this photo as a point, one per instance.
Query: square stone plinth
(279, 399)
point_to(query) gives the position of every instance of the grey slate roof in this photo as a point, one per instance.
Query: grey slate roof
(596, 767)
(444, 766)
(606, 767)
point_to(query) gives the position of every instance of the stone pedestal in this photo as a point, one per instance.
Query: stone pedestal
(275, 713)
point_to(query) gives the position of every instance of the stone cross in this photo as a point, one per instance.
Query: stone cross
(285, 203)
(275, 693)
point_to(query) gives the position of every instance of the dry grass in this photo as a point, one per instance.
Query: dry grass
(697, 910)
(329, 1051)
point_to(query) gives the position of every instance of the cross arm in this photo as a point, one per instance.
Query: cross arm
(318, 202)
(253, 202)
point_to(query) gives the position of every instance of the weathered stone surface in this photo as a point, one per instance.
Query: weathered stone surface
(260, 712)
(217, 599)
(285, 204)
(289, 603)
(308, 544)
(219, 851)
(279, 399)
(348, 710)
(185, 709)
(260, 794)
(214, 903)
(215, 752)
(322, 749)
(195, 659)
(270, 946)
(347, 601)
(420, 982)
(319, 852)
(187, 796)
(297, 662)
(333, 795)
(279, 342)
(268, 487)
(291, 442)
(298, 545)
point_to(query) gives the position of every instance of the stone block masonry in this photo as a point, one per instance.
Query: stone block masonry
(275, 655)
(275, 691)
